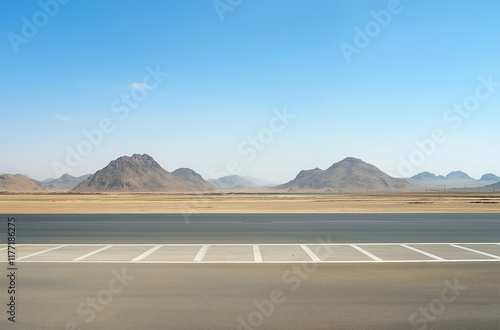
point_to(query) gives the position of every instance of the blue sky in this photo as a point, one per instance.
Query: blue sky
(228, 77)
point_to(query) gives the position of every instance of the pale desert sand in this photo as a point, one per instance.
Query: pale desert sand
(251, 203)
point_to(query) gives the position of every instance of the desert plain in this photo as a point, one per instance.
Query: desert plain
(411, 202)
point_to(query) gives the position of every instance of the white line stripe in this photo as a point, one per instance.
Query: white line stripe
(311, 254)
(40, 252)
(92, 253)
(422, 252)
(374, 257)
(263, 262)
(250, 244)
(257, 257)
(475, 251)
(147, 253)
(201, 254)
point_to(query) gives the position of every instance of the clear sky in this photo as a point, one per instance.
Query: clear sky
(354, 86)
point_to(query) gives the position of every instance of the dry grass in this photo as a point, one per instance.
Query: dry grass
(251, 203)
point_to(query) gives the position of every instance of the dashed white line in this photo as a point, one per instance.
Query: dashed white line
(201, 254)
(40, 252)
(92, 253)
(311, 254)
(472, 250)
(257, 257)
(147, 253)
(374, 257)
(422, 252)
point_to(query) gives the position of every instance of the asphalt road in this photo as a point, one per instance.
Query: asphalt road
(275, 296)
(255, 228)
(255, 296)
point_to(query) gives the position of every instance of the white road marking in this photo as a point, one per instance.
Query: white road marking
(135, 222)
(257, 257)
(40, 252)
(263, 262)
(247, 244)
(147, 253)
(311, 254)
(374, 257)
(203, 249)
(333, 221)
(201, 254)
(422, 252)
(92, 253)
(472, 250)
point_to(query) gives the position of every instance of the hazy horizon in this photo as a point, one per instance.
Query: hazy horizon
(273, 87)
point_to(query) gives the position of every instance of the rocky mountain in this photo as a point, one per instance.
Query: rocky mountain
(139, 173)
(21, 183)
(233, 182)
(456, 179)
(193, 179)
(348, 175)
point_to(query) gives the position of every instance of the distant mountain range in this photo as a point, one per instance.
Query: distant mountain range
(65, 182)
(348, 175)
(456, 179)
(141, 173)
(233, 182)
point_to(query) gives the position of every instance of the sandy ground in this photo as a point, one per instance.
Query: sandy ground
(457, 202)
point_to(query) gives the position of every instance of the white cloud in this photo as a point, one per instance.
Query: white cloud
(61, 117)
(139, 86)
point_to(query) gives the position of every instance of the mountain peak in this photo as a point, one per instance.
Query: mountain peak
(490, 177)
(424, 176)
(351, 160)
(140, 173)
(349, 175)
(458, 175)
